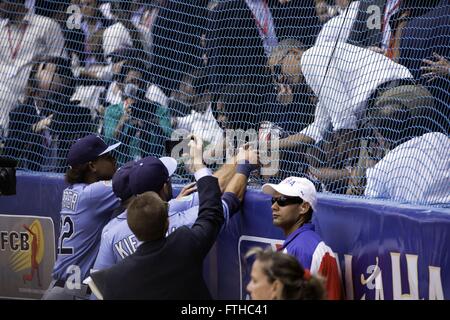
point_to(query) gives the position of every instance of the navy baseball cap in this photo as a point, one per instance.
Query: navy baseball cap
(121, 181)
(147, 174)
(88, 149)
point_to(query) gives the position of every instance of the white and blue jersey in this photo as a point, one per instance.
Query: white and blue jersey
(118, 241)
(86, 209)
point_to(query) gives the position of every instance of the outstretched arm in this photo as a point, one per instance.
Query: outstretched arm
(225, 174)
(247, 161)
(210, 216)
(295, 140)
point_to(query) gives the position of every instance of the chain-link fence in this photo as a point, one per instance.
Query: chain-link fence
(353, 94)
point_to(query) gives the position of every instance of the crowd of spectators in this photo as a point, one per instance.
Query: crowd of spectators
(336, 77)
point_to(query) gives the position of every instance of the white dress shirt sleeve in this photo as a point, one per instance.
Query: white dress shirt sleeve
(376, 182)
(203, 172)
(331, 83)
(335, 95)
(318, 128)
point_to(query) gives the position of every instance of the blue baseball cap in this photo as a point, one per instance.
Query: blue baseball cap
(88, 149)
(121, 181)
(147, 174)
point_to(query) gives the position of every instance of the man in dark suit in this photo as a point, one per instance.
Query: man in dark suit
(169, 267)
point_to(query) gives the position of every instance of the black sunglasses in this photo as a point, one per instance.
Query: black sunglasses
(285, 201)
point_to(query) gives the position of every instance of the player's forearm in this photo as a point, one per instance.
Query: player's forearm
(225, 174)
(295, 140)
(329, 174)
(237, 185)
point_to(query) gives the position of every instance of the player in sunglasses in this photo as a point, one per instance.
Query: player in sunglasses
(294, 201)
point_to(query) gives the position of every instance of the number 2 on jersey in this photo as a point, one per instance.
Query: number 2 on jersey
(66, 233)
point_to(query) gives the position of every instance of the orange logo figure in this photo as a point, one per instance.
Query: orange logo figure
(34, 262)
(32, 256)
(279, 247)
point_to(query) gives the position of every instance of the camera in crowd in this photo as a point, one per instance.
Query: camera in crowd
(7, 176)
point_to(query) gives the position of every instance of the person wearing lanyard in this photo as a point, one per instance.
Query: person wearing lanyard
(15, 26)
(26, 37)
(15, 13)
(15, 45)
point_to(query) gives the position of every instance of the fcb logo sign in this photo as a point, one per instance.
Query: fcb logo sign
(27, 256)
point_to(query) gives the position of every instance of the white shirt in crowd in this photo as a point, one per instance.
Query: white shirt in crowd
(115, 37)
(353, 75)
(118, 37)
(89, 97)
(417, 171)
(19, 47)
(203, 125)
(155, 94)
(339, 26)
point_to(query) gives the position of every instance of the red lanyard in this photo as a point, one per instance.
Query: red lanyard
(388, 14)
(264, 28)
(15, 50)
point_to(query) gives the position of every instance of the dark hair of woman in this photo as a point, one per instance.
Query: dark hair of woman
(298, 283)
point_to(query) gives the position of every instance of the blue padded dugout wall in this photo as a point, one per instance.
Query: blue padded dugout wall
(410, 243)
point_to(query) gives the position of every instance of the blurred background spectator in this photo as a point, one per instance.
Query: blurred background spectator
(134, 71)
(425, 51)
(177, 49)
(26, 37)
(339, 27)
(403, 141)
(139, 120)
(47, 121)
(241, 37)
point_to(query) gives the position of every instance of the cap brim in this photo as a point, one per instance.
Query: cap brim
(170, 163)
(285, 190)
(110, 148)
